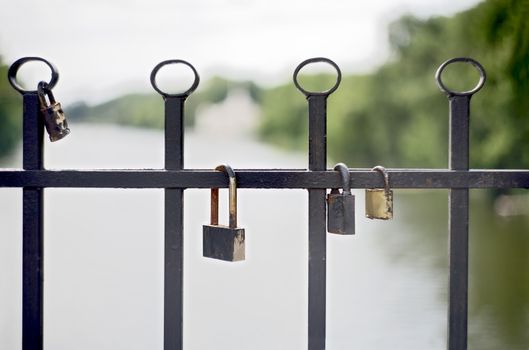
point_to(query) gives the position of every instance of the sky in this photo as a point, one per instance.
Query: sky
(105, 48)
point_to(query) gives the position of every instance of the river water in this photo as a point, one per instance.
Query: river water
(386, 286)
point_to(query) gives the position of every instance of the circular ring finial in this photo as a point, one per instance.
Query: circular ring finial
(316, 60)
(181, 94)
(479, 67)
(13, 70)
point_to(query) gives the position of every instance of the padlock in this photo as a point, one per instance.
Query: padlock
(341, 206)
(224, 242)
(379, 201)
(54, 119)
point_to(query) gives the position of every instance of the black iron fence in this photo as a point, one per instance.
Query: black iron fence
(175, 179)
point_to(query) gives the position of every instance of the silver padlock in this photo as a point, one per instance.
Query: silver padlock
(379, 201)
(54, 119)
(341, 205)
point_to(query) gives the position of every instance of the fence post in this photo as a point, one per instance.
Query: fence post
(174, 210)
(459, 105)
(317, 102)
(174, 227)
(32, 229)
(458, 228)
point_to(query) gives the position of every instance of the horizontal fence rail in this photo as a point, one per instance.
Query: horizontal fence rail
(264, 178)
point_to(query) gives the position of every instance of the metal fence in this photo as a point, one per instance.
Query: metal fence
(175, 179)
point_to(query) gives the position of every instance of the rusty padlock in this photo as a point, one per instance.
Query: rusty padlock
(224, 242)
(341, 205)
(54, 119)
(379, 201)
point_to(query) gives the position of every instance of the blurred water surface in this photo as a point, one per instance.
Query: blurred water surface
(386, 286)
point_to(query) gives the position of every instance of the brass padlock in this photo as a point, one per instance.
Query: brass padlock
(54, 119)
(379, 201)
(341, 205)
(224, 242)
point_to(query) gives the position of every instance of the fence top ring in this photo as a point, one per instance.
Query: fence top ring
(479, 67)
(13, 70)
(180, 94)
(316, 60)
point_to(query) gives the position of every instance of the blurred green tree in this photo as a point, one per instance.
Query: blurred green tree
(397, 116)
(10, 114)
(146, 110)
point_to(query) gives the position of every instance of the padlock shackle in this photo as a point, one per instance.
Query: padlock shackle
(214, 206)
(41, 92)
(384, 173)
(43, 89)
(232, 197)
(346, 178)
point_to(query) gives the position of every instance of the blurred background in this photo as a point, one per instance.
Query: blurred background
(387, 285)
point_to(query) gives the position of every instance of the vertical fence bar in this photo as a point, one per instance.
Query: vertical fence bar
(317, 223)
(32, 227)
(459, 105)
(174, 226)
(174, 210)
(458, 226)
(317, 102)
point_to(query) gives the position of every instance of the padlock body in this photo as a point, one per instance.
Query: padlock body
(341, 213)
(379, 204)
(55, 122)
(223, 243)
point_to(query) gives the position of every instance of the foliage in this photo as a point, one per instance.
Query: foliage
(398, 117)
(10, 114)
(146, 110)
(395, 116)
(141, 110)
